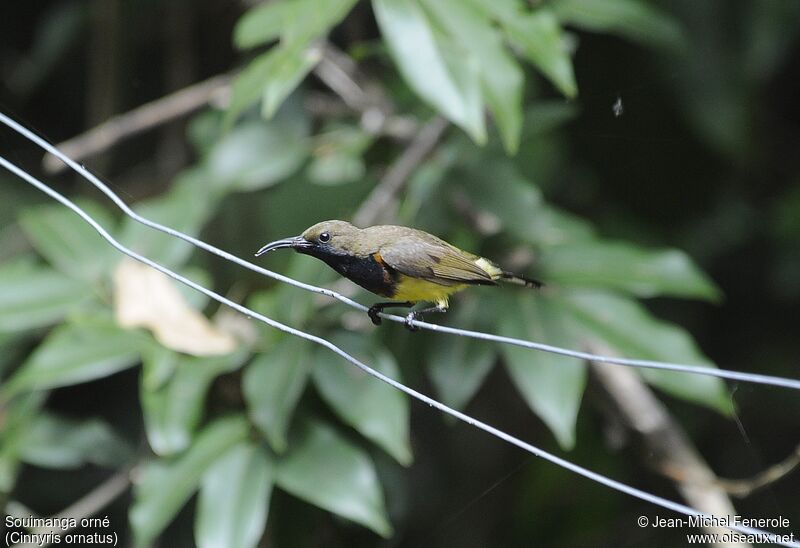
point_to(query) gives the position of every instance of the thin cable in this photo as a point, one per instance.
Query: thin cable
(630, 362)
(508, 438)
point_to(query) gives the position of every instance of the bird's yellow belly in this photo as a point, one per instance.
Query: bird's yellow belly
(416, 289)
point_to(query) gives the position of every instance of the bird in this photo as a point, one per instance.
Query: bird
(403, 264)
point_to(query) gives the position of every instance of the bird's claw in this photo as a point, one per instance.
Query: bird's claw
(408, 323)
(373, 315)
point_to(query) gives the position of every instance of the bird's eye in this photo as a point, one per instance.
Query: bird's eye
(325, 237)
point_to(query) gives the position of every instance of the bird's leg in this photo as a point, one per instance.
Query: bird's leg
(417, 315)
(376, 308)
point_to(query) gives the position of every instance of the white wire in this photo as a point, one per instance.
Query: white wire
(630, 362)
(594, 476)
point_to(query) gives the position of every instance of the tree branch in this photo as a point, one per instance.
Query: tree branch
(385, 192)
(88, 505)
(666, 441)
(142, 118)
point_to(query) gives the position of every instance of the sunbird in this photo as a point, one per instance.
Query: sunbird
(403, 264)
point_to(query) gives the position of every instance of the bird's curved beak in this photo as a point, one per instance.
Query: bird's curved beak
(298, 242)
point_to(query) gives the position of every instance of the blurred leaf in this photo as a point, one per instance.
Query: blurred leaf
(145, 297)
(346, 484)
(68, 242)
(18, 414)
(551, 227)
(336, 169)
(771, 33)
(511, 199)
(372, 407)
(271, 76)
(265, 22)
(552, 385)
(500, 75)
(539, 36)
(546, 116)
(435, 69)
(285, 303)
(173, 390)
(336, 157)
(248, 87)
(256, 155)
(193, 297)
(273, 383)
(185, 207)
(715, 92)
(622, 266)
(205, 129)
(630, 330)
(288, 70)
(634, 19)
(515, 203)
(162, 488)
(292, 20)
(457, 366)
(35, 296)
(56, 442)
(76, 353)
(12, 348)
(58, 28)
(234, 498)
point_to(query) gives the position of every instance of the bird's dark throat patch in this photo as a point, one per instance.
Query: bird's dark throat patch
(370, 272)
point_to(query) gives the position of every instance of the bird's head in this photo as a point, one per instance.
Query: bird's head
(320, 239)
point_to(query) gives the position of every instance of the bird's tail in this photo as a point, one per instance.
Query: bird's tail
(512, 278)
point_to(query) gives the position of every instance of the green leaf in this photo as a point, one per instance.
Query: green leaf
(283, 302)
(289, 68)
(634, 19)
(337, 155)
(500, 75)
(552, 385)
(372, 407)
(55, 442)
(622, 266)
(256, 155)
(34, 296)
(291, 20)
(273, 383)
(511, 199)
(540, 38)
(265, 22)
(432, 66)
(457, 366)
(205, 129)
(185, 207)
(173, 389)
(271, 76)
(328, 471)
(18, 414)
(631, 331)
(76, 353)
(336, 169)
(164, 487)
(234, 498)
(68, 242)
(12, 349)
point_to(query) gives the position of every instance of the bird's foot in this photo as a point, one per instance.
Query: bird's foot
(373, 314)
(410, 317)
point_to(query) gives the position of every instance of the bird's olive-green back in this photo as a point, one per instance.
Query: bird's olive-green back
(409, 251)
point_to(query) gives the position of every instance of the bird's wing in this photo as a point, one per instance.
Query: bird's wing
(434, 262)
